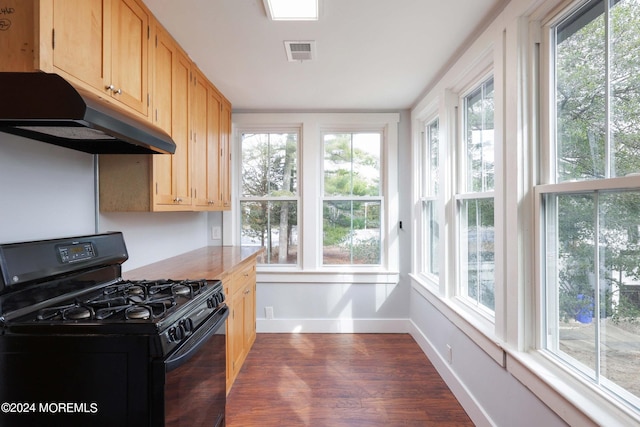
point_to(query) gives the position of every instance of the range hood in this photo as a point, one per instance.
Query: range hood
(47, 108)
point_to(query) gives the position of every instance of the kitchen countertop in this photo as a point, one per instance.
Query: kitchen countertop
(209, 262)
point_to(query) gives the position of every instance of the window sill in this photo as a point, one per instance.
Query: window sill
(265, 275)
(565, 393)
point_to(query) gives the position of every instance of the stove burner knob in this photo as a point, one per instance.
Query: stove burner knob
(211, 303)
(187, 324)
(219, 298)
(176, 333)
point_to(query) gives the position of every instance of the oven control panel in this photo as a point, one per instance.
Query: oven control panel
(76, 252)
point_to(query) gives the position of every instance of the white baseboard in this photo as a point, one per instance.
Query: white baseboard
(460, 391)
(363, 326)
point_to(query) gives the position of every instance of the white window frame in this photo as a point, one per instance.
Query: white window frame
(430, 199)
(310, 169)
(462, 194)
(296, 198)
(548, 184)
(379, 198)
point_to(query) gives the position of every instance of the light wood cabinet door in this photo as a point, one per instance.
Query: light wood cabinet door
(172, 186)
(214, 111)
(129, 54)
(249, 321)
(225, 160)
(163, 56)
(199, 168)
(87, 61)
(241, 325)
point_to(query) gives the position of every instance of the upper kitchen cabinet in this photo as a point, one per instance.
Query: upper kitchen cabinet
(198, 118)
(128, 79)
(172, 187)
(99, 45)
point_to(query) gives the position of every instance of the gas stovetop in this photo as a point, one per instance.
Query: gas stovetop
(74, 287)
(150, 300)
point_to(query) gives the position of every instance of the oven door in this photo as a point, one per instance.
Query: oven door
(195, 377)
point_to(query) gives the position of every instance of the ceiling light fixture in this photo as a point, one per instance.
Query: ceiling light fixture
(292, 10)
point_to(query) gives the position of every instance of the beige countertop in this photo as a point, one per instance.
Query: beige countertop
(209, 262)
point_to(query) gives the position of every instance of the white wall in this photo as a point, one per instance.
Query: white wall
(151, 237)
(48, 192)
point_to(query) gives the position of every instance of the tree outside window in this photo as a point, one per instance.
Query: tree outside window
(591, 214)
(352, 204)
(475, 199)
(269, 194)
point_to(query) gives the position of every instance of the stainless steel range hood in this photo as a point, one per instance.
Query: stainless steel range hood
(47, 108)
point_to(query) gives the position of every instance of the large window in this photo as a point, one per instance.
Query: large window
(352, 203)
(431, 198)
(269, 194)
(475, 199)
(591, 202)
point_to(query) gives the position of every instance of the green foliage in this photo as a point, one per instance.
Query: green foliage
(367, 251)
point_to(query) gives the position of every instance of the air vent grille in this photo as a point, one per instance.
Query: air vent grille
(300, 50)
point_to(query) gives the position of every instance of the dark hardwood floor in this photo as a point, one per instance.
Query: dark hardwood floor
(335, 380)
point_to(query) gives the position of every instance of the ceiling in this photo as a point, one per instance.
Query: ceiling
(371, 55)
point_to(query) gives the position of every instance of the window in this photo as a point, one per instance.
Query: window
(431, 198)
(590, 205)
(475, 199)
(352, 203)
(269, 194)
(340, 215)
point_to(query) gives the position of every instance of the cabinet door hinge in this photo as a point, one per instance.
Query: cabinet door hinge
(156, 40)
(148, 32)
(148, 100)
(156, 188)
(53, 38)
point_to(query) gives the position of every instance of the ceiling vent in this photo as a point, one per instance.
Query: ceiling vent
(298, 51)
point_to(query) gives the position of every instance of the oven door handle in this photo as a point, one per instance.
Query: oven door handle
(198, 339)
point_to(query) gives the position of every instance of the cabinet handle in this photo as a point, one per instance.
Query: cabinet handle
(112, 88)
(177, 200)
(247, 291)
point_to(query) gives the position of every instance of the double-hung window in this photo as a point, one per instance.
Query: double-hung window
(269, 194)
(431, 199)
(475, 199)
(352, 200)
(589, 197)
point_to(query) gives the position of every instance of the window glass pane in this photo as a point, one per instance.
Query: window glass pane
(352, 164)
(479, 110)
(619, 291)
(593, 298)
(351, 232)
(432, 233)
(269, 164)
(269, 216)
(433, 163)
(580, 94)
(477, 251)
(274, 225)
(430, 220)
(625, 87)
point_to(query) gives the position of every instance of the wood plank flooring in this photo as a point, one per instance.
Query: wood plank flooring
(336, 380)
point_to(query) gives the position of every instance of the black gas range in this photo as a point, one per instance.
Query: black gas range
(81, 346)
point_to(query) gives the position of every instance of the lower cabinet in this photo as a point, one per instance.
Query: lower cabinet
(240, 289)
